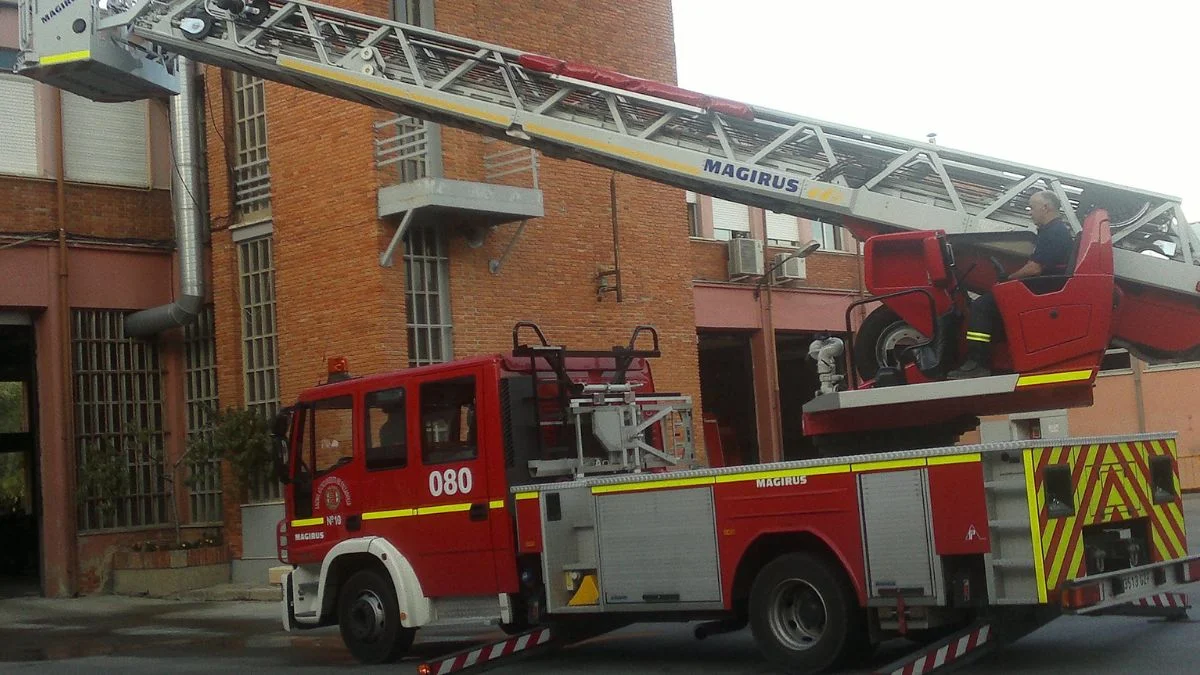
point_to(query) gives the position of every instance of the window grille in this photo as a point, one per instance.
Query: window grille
(200, 353)
(427, 267)
(118, 414)
(252, 175)
(256, 271)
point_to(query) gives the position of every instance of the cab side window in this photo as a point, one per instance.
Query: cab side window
(331, 434)
(387, 430)
(448, 421)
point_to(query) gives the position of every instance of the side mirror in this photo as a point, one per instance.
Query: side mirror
(280, 457)
(282, 423)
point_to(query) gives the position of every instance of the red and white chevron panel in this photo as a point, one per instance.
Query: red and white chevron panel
(933, 659)
(1179, 600)
(474, 657)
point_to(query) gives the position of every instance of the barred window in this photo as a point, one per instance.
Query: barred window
(118, 423)
(427, 267)
(256, 271)
(252, 175)
(204, 496)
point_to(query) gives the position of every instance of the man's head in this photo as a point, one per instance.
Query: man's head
(1044, 207)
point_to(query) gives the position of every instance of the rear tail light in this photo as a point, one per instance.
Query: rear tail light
(1082, 596)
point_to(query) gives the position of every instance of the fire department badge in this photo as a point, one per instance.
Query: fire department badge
(333, 498)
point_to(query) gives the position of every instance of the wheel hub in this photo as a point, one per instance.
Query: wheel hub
(797, 614)
(367, 617)
(896, 336)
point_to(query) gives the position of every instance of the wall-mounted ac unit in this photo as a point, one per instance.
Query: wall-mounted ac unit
(794, 269)
(745, 257)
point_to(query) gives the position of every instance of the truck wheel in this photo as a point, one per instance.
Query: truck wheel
(881, 332)
(369, 619)
(803, 614)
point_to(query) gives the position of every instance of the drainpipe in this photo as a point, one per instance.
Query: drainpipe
(185, 191)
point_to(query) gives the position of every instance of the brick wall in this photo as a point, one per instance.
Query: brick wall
(31, 206)
(333, 298)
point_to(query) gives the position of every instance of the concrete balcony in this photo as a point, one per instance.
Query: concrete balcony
(408, 152)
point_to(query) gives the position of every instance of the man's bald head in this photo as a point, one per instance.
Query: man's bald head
(1044, 207)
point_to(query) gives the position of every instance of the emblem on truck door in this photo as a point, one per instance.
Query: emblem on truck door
(331, 493)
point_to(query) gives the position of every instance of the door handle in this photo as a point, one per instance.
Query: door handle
(354, 523)
(479, 511)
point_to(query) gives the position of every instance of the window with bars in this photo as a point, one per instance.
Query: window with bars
(427, 268)
(118, 398)
(256, 276)
(252, 175)
(200, 353)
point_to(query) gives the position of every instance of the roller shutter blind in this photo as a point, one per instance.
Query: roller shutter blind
(18, 127)
(105, 142)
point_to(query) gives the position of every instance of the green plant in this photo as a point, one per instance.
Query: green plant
(242, 438)
(104, 474)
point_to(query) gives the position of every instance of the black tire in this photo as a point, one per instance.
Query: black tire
(871, 341)
(804, 615)
(369, 618)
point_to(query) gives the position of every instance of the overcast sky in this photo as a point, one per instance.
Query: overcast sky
(1110, 94)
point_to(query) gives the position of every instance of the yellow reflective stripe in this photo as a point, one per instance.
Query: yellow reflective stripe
(786, 473)
(956, 459)
(888, 464)
(979, 337)
(387, 87)
(397, 513)
(651, 485)
(307, 522)
(65, 57)
(606, 147)
(447, 508)
(496, 504)
(1035, 529)
(522, 496)
(1053, 378)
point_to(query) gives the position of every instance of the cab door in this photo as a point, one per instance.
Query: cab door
(324, 477)
(455, 554)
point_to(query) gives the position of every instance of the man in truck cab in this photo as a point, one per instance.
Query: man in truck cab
(1050, 256)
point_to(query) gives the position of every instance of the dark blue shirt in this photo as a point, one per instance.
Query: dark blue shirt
(1053, 247)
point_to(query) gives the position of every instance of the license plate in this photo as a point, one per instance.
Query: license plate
(1136, 581)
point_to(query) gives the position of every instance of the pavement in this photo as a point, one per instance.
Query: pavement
(236, 628)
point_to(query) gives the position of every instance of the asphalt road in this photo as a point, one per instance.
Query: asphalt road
(123, 635)
(108, 634)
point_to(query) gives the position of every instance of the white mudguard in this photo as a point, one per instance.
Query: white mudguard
(415, 609)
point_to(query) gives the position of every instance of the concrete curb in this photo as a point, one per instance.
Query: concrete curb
(231, 593)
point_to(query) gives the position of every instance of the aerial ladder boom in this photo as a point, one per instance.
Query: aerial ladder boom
(114, 50)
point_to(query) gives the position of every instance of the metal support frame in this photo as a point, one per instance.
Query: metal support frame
(387, 258)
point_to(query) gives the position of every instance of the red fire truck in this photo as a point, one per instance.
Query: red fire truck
(556, 491)
(558, 494)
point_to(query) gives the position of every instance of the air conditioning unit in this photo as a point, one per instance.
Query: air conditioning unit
(745, 257)
(794, 269)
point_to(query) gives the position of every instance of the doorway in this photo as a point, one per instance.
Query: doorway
(727, 389)
(20, 483)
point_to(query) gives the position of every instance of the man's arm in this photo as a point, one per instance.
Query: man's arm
(1029, 269)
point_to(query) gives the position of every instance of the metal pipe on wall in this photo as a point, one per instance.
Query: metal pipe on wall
(188, 214)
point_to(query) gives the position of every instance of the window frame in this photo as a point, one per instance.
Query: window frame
(368, 440)
(455, 430)
(312, 408)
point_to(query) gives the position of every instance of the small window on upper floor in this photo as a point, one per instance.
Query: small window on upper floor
(1116, 360)
(693, 214)
(387, 430)
(448, 431)
(730, 219)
